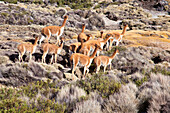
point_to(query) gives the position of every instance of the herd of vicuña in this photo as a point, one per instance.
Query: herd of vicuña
(84, 51)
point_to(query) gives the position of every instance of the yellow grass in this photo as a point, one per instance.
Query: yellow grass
(142, 38)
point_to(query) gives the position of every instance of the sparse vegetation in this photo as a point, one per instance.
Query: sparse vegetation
(4, 14)
(36, 97)
(158, 69)
(103, 85)
(138, 82)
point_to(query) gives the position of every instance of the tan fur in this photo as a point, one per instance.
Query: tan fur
(117, 37)
(27, 47)
(87, 46)
(82, 35)
(52, 49)
(53, 30)
(104, 61)
(82, 60)
(74, 46)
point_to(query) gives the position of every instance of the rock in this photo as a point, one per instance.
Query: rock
(111, 16)
(17, 74)
(4, 60)
(61, 12)
(69, 76)
(96, 21)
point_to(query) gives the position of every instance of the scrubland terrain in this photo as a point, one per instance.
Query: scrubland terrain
(139, 81)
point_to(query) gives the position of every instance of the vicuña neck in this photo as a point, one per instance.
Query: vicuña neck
(61, 45)
(82, 45)
(124, 30)
(106, 39)
(113, 55)
(94, 53)
(88, 38)
(35, 43)
(64, 22)
(101, 34)
(83, 28)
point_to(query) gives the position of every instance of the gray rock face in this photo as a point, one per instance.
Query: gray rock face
(126, 12)
(133, 60)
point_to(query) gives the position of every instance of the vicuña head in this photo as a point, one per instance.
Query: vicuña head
(57, 31)
(27, 47)
(104, 61)
(78, 59)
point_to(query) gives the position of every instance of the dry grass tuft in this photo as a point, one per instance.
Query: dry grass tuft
(160, 102)
(149, 92)
(124, 101)
(88, 106)
(68, 94)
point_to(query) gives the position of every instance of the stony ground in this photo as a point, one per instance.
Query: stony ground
(142, 66)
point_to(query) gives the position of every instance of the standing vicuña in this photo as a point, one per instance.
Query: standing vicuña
(117, 37)
(82, 35)
(23, 47)
(52, 49)
(78, 59)
(104, 61)
(57, 31)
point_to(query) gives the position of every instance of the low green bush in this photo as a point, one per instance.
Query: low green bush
(102, 84)
(32, 98)
(10, 1)
(162, 70)
(139, 82)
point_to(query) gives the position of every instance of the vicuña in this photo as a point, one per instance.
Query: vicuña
(76, 45)
(52, 49)
(117, 37)
(57, 31)
(82, 35)
(78, 59)
(27, 47)
(90, 45)
(104, 61)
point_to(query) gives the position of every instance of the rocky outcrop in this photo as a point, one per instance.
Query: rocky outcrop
(95, 19)
(17, 74)
(132, 59)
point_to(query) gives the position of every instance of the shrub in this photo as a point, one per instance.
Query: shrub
(88, 106)
(159, 102)
(102, 84)
(120, 48)
(35, 97)
(124, 101)
(157, 83)
(4, 14)
(159, 69)
(10, 1)
(69, 95)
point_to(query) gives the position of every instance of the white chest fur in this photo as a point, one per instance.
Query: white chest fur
(90, 62)
(101, 45)
(61, 31)
(58, 51)
(34, 48)
(120, 39)
(110, 61)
